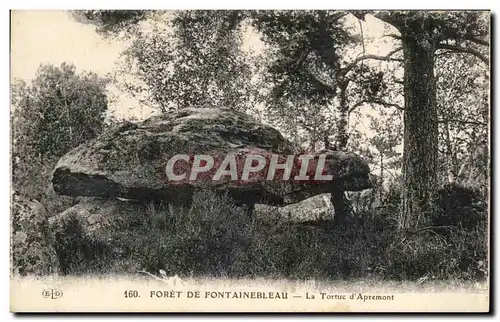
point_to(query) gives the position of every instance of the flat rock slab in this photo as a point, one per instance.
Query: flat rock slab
(129, 161)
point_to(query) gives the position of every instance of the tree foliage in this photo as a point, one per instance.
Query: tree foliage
(111, 22)
(55, 112)
(182, 58)
(303, 42)
(306, 70)
(310, 87)
(463, 109)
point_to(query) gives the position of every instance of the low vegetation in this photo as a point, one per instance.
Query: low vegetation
(214, 238)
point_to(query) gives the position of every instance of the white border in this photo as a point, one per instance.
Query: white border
(257, 4)
(150, 4)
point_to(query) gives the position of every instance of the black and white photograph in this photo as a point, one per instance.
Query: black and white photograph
(250, 160)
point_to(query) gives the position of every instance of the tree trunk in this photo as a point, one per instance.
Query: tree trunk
(341, 204)
(326, 142)
(342, 137)
(314, 139)
(420, 130)
(381, 189)
(451, 157)
(338, 200)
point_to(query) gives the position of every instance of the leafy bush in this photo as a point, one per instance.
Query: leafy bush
(205, 238)
(53, 113)
(215, 238)
(454, 246)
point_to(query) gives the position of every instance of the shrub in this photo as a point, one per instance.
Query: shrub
(454, 245)
(460, 206)
(53, 113)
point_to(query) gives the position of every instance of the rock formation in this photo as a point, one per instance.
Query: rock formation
(86, 233)
(129, 161)
(31, 252)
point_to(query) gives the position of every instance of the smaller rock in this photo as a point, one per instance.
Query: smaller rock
(314, 208)
(85, 235)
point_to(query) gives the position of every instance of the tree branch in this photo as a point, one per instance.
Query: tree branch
(393, 18)
(152, 275)
(445, 52)
(478, 41)
(467, 50)
(375, 57)
(376, 101)
(392, 36)
(362, 40)
(462, 122)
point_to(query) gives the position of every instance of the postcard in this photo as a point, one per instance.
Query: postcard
(250, 161)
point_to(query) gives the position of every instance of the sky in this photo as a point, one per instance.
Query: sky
(53, 37)
(44, 36)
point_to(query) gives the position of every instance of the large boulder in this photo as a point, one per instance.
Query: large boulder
(129, 161)
(31, 251)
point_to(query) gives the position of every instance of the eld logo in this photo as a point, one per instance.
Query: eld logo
(52, 293)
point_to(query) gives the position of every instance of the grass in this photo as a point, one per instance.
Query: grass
(215, 239)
